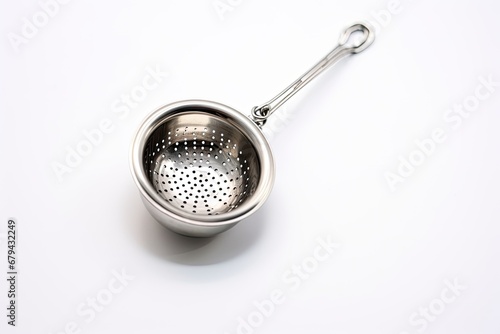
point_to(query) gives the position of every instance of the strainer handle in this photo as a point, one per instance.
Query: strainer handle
(262, 112)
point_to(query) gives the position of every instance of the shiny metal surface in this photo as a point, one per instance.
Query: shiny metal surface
(201, 166)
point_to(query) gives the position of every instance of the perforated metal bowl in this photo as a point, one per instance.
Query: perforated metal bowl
(201, 166)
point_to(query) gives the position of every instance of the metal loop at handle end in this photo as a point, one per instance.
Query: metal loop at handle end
(358, 46)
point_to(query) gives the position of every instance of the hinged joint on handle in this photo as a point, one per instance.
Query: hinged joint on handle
(262, 112)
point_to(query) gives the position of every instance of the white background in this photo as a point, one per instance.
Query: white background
(333, 145)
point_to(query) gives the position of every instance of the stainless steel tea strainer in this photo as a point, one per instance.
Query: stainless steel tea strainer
(201, 166)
